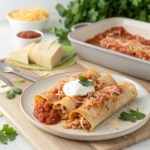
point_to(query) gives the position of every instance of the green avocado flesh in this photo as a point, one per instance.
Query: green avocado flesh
(65, 62)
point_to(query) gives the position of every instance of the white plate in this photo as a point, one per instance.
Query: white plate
(104, 130)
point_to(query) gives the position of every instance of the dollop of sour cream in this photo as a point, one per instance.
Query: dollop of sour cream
(74, 88)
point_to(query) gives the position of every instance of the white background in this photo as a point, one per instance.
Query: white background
(8, 43)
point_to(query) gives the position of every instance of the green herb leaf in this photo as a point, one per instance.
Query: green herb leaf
(7, 133)
(142, 15)
(16, 70)
(52, 29)
(17, 90)
(10, 94)
(135, 2)
(61, 10)
(139, 115)
(1, 115)
(83, 78)
(19, 81)
(133, 116)
(4, 86)
(44, 74)
(93, 15)
(74, 8)
(102, 3)
(62, 35)
(84, 81)
(127, 117)
(87, 83)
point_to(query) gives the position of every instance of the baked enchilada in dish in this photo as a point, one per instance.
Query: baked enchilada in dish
(119, 40)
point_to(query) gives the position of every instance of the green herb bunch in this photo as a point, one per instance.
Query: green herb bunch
(79, 11)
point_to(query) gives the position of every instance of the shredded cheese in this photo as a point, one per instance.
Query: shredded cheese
(113, 122)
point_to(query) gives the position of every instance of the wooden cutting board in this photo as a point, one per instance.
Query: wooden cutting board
(42, 140)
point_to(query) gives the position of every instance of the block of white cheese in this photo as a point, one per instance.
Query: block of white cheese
(42, 52)
(52, 56)
(19, 55)
(46, 54)
(29, 50)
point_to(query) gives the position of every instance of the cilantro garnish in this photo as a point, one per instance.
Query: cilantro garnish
(7, 133)
(139, 115)
(17, 90)
(83, 78)
(85, 82)
(11, 94)
(133, 116)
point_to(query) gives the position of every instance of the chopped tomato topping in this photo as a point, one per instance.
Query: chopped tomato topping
(55, 91)
(61, 87)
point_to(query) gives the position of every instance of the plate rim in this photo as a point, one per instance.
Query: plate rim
(69, 134)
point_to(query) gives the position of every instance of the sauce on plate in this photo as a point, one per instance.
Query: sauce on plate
(45, 114)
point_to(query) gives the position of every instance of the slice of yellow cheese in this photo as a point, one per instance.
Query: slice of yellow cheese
(19, 55)
(33, 52)
(39, 48)
(52, 56)
(46, 54)
(29, 50)
(113, 122)
(55, 54)
(43, 52)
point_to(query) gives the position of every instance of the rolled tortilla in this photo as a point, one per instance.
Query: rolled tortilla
(56, 93)
(101, 106)
(68, 104)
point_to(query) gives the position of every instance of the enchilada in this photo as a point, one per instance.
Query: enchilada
(68, 104)
(100, 106)
(56, 93)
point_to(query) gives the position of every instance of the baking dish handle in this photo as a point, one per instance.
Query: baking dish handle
(76, 26)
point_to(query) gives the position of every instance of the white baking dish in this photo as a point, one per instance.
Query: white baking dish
(117, 61)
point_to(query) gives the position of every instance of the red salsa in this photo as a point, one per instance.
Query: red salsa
(28, 34)
(45, 114)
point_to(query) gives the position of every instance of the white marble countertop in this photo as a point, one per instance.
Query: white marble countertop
(7, 44)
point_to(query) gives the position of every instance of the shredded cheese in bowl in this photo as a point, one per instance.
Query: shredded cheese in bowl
(29, 14)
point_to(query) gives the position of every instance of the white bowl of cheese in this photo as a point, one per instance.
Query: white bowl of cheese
(22, 24)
